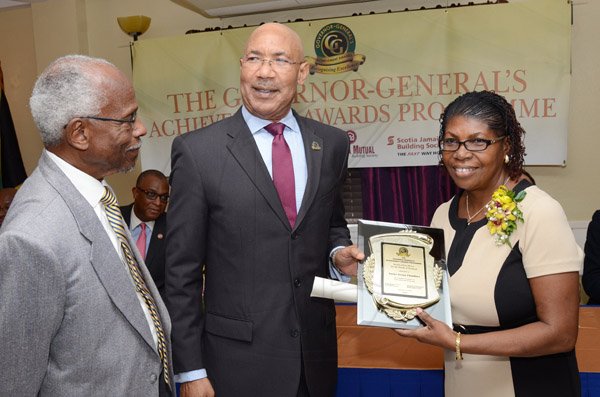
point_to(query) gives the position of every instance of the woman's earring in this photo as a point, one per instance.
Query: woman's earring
(506, 159)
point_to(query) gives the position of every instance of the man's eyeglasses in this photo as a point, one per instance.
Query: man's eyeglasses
(131, 119)
(279, 63)
(150, 195)
(472, 145)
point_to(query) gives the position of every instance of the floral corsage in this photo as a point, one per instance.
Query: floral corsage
(503, 213)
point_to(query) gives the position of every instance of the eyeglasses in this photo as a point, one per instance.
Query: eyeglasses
(150, 195)
(131, 119)
(472, 145)
(254, 62)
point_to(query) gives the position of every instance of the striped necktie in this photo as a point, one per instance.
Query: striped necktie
(116, 222)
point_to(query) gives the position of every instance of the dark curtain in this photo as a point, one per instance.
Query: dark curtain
(407, 195)
(13, 171)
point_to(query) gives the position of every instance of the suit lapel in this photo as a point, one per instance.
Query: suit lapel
(111, 271)
(155, 241)
(313, 149)
(126, 213)
(243, 148)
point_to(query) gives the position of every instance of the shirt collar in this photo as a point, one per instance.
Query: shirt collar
(90, 188)
(135, 221)
(256, 124)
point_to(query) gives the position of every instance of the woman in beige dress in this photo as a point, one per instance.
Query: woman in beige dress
(513, 264)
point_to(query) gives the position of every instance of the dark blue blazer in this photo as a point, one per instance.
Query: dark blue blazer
(155, 257)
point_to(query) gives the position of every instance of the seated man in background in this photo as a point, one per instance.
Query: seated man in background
(6, 197)
(148, 221)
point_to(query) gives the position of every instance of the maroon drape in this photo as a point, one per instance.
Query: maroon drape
(405, 194)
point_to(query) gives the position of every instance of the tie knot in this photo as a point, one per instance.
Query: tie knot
(108, 198)
(143, 227)
(275, 128)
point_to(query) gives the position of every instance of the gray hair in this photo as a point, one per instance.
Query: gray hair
(66, 89)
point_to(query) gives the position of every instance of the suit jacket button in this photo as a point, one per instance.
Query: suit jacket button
(295, 333)
(153, 378)
(297, 282)
(295, 235)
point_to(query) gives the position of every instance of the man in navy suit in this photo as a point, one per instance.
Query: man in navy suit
(248, 326)
(147, 221)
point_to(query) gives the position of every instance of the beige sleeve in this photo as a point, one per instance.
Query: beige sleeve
(547, 244)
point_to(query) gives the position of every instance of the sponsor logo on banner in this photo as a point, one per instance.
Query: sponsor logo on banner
(334, 46)
(360, 151)
(351, 136)
(413, 146)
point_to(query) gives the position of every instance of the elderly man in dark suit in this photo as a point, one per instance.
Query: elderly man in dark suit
(256, 202)
(79, 316)
(147, 221)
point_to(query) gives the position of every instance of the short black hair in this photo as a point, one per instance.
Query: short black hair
(146, 173)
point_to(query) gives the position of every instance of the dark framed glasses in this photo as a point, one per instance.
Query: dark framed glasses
(131, 119)
(472, 145)
(151, 195)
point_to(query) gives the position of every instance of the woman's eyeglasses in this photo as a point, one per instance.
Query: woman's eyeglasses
(472, 145)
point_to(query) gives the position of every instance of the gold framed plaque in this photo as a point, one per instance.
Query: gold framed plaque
(404, 269)
(401, 275)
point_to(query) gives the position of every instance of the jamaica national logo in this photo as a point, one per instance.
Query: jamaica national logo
(334, 47)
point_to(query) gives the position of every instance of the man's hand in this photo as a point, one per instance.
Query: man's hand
(197, 388)
(346, 259)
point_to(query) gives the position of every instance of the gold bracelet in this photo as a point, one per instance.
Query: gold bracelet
(457, 345)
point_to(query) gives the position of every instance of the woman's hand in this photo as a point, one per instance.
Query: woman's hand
(557, 306)
(434, 332)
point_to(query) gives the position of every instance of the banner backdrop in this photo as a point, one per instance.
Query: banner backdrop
(383, 78)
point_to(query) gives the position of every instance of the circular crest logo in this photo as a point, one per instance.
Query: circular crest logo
(402, 251)
(333, 40)
(334, 47)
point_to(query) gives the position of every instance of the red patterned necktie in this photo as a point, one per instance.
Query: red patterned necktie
(283, 171)
(141, 241)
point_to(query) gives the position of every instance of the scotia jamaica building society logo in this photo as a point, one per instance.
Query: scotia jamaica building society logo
(334, 46)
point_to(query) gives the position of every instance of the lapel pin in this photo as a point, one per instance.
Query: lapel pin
(315, 146)
(160, 236)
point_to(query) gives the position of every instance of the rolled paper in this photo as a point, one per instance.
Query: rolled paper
(336, 290)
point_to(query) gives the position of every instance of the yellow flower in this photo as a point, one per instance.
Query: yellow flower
(508, 207)
(503, 213)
